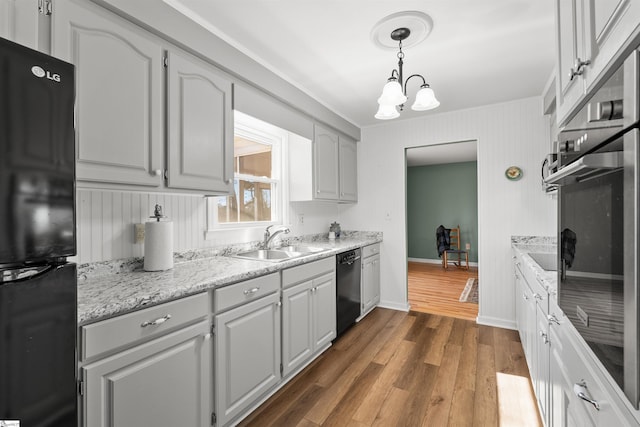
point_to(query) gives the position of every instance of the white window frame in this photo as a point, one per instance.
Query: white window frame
(262, 132)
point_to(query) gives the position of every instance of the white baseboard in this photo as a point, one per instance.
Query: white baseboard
(496, 322)
(425, 260)
(435, 261)
(394, 305)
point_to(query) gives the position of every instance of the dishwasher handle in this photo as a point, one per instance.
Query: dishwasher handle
(350, 261)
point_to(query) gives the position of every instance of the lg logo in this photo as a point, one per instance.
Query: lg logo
(39, 72)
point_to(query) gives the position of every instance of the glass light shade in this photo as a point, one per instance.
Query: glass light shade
(425, 99)
(392, 94)
(387, 112)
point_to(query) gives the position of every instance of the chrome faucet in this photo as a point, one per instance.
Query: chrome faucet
(268, 235)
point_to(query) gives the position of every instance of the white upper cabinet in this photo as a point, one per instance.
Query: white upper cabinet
(323, 169)
(124, 104)
(590, 35)
(200, 126)
(325, 164)
(24, 22)
(119, 90)
(348, 169)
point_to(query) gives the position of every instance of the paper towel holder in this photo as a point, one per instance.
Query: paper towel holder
(157, 213)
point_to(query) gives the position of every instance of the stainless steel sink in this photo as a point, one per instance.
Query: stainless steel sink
(280, 254)
(303, 249)
(273, 255)
(548, 261)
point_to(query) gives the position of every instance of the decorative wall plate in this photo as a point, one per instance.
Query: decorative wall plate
(513, 173)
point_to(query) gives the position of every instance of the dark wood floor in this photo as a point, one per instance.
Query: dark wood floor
(410, 369)
(432, 289)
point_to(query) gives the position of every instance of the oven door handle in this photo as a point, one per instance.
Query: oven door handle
(588, 163)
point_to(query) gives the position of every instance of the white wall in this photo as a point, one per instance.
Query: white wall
(105, 222)
(508, 134)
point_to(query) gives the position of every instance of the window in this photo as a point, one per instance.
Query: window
(257, 177)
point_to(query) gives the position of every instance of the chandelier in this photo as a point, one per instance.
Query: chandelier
(394, 93)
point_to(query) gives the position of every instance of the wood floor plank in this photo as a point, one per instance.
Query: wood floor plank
(392, 411)
(466, 376)
(460, 414)
(391, 346)
(354, 397)
(442, 394)
(485, 408)
(440, 339)
(424, 379)
(371, 404)
(382, 379)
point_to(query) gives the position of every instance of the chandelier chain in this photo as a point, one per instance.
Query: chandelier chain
(400, 52)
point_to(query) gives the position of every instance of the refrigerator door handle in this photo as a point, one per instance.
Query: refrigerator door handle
(24, 273)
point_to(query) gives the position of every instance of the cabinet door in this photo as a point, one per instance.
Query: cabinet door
(609, 24)
(165, 382)
(324, 310)
(325, 164)
(247, 355)
(200, 126)
(297, 326)
(541, 381)
(348, 170)
(370, 282)
(20, 22)
(570, 46)
(119, 114)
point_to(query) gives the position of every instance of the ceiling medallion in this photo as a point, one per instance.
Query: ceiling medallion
(419, 25)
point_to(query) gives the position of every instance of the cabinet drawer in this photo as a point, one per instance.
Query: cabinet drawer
(294, 275)
(242, 292)
(579, 369)
(124, 330)
(370, 250)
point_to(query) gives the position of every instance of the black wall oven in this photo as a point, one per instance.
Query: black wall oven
(598, 224)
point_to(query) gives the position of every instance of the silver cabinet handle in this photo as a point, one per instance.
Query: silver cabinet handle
(537, 296)
(279, 304)
(580, 390)
(553, 319)
(525, 297)
(544, 337)
(227, 181)
(578, 68)
(156, 322)
(251, 291)
(156, 172)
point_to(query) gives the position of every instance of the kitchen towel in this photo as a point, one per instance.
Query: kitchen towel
(158, 245)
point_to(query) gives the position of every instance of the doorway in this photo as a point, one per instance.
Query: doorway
(442, 189)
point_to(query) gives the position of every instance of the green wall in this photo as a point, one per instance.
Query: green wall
(442, 194)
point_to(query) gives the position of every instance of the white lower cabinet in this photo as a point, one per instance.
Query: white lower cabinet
(370, 279)
(247, 355)
(561, 364)
(165, 381)
(308, 312)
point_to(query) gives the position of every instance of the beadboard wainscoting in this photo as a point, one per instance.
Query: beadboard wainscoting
(105, 222)
(509, 134)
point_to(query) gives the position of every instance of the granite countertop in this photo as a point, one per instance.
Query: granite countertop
(525, 245)
(105, 295)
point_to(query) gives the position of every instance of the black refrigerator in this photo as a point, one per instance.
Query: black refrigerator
(38, 308)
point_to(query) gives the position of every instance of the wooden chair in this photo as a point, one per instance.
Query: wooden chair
(455, 249)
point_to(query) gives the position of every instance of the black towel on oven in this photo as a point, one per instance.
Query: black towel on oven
(568, 246)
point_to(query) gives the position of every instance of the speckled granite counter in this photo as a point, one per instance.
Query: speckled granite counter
(526, 245)
(102, 295)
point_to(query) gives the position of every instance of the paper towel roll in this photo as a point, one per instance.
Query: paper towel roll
(158, 245)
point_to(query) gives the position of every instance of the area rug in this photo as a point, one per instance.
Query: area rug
(470, 292)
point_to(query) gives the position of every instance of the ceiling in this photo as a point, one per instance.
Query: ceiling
(478, 52)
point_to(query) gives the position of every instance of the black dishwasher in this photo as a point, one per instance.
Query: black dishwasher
(347, 289)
